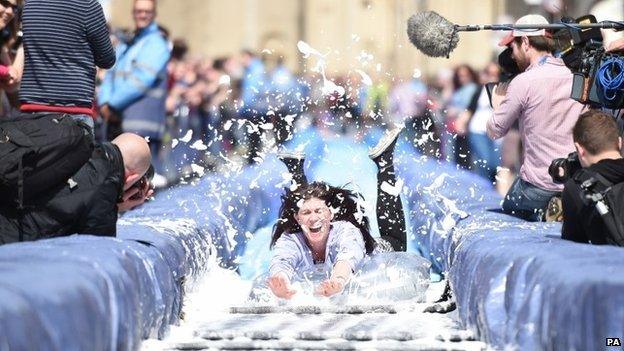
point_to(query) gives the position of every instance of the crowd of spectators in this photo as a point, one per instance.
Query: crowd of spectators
(240, 106)
(229, 109)
(212, 111)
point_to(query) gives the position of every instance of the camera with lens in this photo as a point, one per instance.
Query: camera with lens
(509, 69)
(142, 183)
(562, 169)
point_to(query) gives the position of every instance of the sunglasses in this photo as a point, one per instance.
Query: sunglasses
(7, 4)
(136, 12)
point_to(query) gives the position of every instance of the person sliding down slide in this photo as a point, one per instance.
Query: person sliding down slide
(323, 224)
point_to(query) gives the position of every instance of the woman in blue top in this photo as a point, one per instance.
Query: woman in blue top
(323, 224)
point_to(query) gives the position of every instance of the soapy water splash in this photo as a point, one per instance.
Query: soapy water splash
(343, 92)
(383, 278)
(452, 213)
(308, 51)
(366, 79)
(329, 87)
(213, 304)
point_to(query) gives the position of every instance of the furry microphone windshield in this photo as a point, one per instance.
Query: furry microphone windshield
(432, 34)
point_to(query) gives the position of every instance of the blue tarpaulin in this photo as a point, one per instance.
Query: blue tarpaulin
(93, 293)
(518, 285)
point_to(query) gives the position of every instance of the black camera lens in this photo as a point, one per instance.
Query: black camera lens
(562, 169)
(557, 170)
(150, 173)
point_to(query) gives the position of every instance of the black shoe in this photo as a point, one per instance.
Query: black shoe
(294, 163)
(386, 143)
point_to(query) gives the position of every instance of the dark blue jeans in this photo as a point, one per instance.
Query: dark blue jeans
(527, 201)
(485, 155)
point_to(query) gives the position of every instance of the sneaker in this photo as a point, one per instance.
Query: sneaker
(294, 163)
(385, 142)
(296, 155)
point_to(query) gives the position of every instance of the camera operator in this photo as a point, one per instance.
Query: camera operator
(539, 99)
(598, 146)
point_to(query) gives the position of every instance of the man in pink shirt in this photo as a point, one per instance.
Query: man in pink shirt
(539, 99)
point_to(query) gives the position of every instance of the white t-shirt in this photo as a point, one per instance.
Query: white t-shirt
(482, 114)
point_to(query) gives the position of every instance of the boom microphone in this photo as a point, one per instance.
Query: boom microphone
(436, 36)
(432, 34)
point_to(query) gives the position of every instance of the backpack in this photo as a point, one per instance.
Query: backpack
(608, 199)
(39, 152)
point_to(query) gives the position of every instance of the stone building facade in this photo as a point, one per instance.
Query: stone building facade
(350, 31)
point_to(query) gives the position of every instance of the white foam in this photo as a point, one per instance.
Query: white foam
(187, 137)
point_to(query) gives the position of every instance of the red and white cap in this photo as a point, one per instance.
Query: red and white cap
(528, 19)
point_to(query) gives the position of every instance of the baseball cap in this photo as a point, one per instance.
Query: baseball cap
(528, 19)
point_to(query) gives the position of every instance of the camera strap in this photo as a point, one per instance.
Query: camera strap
(593, 185)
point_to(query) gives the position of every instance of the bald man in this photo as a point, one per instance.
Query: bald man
(137, 159)
(90, 200)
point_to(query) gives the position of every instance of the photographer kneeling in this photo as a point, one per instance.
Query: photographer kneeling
(597, 141)
(114, 179)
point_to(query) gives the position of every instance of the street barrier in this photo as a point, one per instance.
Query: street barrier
(94, 293)
(517, 285)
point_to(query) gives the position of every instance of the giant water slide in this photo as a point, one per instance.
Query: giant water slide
(517, 285)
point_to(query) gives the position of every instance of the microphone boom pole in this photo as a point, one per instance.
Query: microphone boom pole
(436, 36)
(554, 26)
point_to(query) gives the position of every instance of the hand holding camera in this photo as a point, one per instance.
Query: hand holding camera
(562, 169)
(138, 193)
(616, 45)
(499, 92)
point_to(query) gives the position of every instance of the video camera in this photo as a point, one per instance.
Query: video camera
(598, 75)
(598, 79)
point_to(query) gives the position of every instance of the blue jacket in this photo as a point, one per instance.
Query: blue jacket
(137, 85)
(254, 90)
(286, 94)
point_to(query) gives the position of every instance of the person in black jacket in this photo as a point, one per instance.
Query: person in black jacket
(89, 202)
(597, 141)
